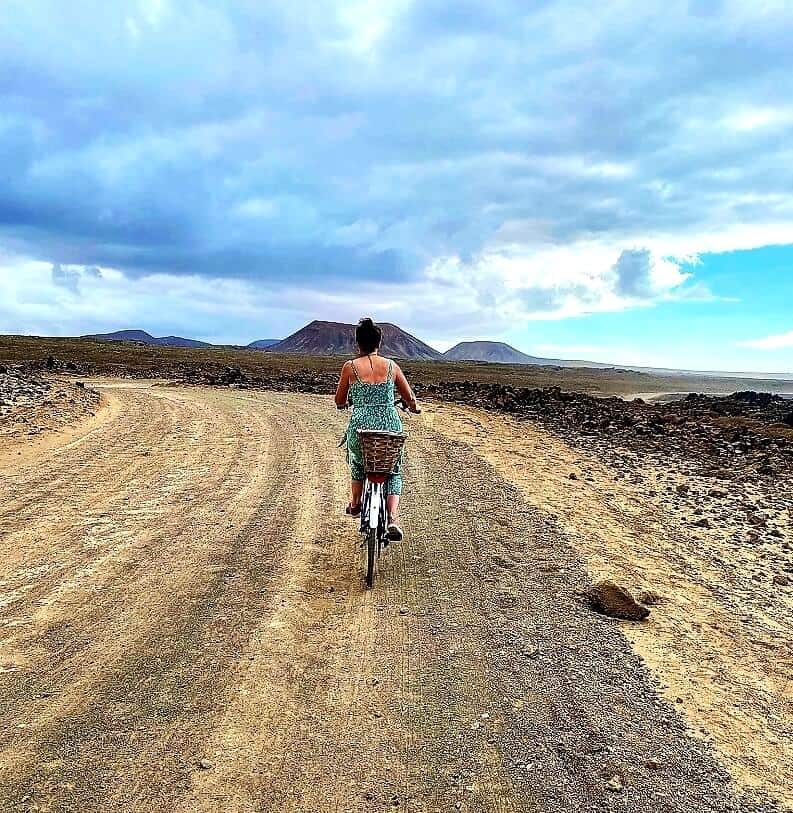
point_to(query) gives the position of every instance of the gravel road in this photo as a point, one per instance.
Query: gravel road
(183, 626)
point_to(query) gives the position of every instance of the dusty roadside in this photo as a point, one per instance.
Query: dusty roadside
(183, 626)
(720, 636)
(34, 404)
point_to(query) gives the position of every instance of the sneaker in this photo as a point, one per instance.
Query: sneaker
(394, 532)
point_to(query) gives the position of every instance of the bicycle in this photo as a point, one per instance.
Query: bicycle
(381, 453)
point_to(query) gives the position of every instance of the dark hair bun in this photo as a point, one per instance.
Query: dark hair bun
(368, 335)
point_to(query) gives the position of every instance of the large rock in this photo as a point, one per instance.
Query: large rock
(614, 601)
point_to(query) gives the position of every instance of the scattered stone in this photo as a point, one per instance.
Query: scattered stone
(649, 597)
(615, 601)
(744, 434)
(205, 764)
(780, 580)
(38, 400)
(615, 784)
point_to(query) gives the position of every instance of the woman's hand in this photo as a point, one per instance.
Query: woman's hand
(409, 406)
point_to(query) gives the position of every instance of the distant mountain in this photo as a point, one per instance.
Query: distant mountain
(262, 344)
(146, 338)
(179, 341)
(338, 338)
(123, 336)
(498, 352)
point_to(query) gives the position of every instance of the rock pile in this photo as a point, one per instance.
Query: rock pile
(31, 402)
(18, 388)
(747, 431)
(296, 381)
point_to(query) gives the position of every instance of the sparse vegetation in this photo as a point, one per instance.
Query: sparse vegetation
(133, 359)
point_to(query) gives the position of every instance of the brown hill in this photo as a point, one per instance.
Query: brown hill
(338, 338)
(498, 352)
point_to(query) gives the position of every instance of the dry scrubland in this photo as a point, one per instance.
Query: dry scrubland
(183, 624)
(108, 358)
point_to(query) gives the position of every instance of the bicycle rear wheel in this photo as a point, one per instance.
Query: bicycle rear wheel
(371, 552)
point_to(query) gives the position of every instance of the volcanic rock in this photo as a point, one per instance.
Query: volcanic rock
(615, 601)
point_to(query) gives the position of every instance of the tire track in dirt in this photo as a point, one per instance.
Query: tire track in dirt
(145, 588)
(222, 622)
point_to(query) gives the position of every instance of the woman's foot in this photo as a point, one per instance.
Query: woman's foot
(393, 531)
(353, 510)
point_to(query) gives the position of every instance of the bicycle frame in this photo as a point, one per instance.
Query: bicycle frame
(375, 497)
(373, 521)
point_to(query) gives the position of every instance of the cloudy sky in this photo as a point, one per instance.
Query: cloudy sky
(607, 180)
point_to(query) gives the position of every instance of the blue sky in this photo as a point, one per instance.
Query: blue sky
(609, 181)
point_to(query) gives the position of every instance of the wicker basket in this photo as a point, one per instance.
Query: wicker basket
(381, 450)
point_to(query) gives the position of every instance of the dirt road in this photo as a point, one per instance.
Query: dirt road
(183, 627)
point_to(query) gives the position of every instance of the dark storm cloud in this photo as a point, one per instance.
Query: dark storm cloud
(317, 142)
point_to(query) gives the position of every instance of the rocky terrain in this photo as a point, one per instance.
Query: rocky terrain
(724, 465)
(32, 401)
(137, 360)
(746, 432)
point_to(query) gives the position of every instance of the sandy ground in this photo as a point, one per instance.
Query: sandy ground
(183, 626)
(721, 638)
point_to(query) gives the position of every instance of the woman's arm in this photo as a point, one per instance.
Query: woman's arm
(404, 390)
(343, 388)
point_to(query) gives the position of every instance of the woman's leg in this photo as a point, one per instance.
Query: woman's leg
(393, 490)
(356, 490)
(392, 502)
(357, 476)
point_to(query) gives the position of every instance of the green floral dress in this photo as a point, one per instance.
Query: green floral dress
(372, 408)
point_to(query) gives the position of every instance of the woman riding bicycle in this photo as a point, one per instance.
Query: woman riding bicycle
(369, 382)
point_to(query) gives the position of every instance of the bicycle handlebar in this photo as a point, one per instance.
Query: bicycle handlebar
(400, 402)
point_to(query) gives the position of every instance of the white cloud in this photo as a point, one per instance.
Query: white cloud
(550, 282)
(780, 341)
(418, 154)
(758, 118)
